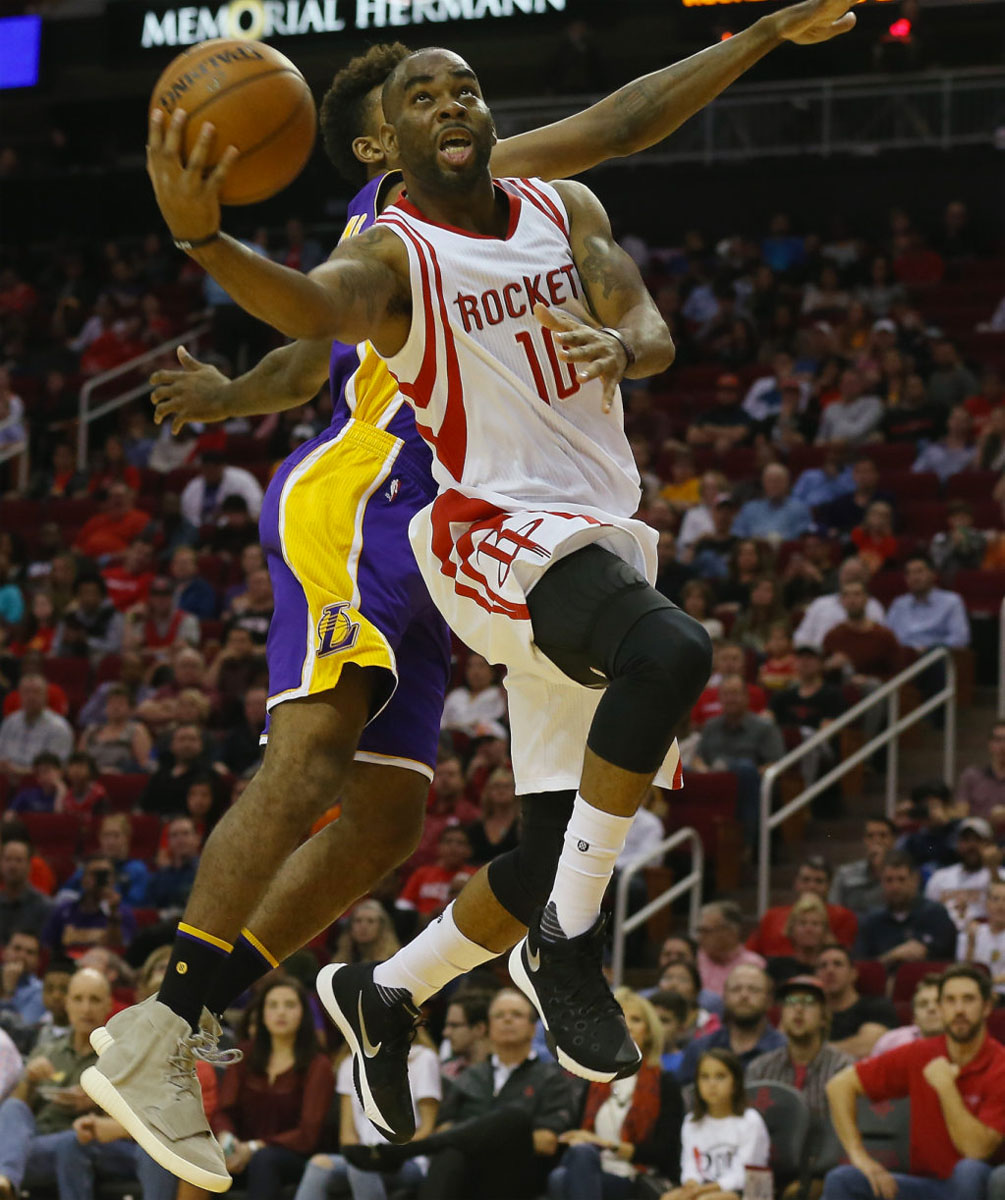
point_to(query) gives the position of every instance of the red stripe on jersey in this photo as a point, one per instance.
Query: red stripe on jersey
(450, 507)
(450, 441)
(541, 203)
(551, 207)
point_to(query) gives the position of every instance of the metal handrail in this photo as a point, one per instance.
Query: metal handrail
(693, 882)
(85, 414)
(890, 692)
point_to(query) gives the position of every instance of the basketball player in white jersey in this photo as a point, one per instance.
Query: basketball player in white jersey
(472, 292)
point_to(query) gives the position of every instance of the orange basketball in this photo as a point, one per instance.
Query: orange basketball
(257, 100)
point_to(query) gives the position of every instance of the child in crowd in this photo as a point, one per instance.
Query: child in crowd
(984, 941)
(722, 1137)
(779, 667)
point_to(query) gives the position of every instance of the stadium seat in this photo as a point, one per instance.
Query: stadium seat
(788, 1120)
(910, 974)
(923, 518)
(124, 791)
(871, 977)
(971, 485)
(996, 1024)
(109, 669)
(73, 675)
(885, 1127)
(54, 833)
(982, 591)
(146, 836)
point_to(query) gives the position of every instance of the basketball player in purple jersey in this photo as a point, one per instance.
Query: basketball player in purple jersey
(340, 638)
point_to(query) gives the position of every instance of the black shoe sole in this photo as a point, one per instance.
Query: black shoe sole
(326, 994)
(523, 979)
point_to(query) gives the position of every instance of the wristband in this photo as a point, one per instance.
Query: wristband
(187, 244)
(629, 352)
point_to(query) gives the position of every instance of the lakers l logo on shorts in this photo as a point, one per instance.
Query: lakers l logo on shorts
(336, 630)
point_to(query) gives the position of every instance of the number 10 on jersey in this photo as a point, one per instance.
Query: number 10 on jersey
(560, 375)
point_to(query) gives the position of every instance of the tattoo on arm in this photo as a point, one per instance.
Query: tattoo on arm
(597, 268)
(635, 99)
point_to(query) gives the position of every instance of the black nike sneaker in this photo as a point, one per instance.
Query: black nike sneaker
(565, 980)
(378, 1024)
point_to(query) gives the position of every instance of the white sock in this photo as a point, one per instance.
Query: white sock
(593, 841)
(429, 962)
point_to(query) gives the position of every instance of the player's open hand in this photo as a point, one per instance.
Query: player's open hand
(815, 21)
(188, 193)
(195, 393)
(595, 354)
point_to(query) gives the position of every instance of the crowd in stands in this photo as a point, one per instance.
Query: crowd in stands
(824, 465)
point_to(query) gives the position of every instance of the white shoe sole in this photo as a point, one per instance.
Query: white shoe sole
(326, 994)
(519, 975)
(103, 1092)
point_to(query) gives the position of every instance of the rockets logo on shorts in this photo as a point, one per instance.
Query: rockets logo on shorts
(336, 630)
(504, 545)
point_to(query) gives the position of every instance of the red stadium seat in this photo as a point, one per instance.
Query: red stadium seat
(146, 836)
(124, 791)
(910, 974)
(996, 1024)
(923, 519)
(55, 833)
(972, 485)
(886, 585)
(871, 977)
(982, 591)
(73, 675)
(109, 669)
(891, 456)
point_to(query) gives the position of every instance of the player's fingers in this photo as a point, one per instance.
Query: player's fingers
(553, 318)
(200, 151)
(178, 424)
(163, 377)
(585, 352)
(155, 131)
(227, 160)
(188, 361)
(173, 134)
(580, 336)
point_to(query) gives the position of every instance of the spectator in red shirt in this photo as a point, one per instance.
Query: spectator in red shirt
(770, 940)
(447, 806)
(129, 581)
(115, 469)
(428, 888)
(112, 531)
(874, 539)
(730, 659)
(956, 1087)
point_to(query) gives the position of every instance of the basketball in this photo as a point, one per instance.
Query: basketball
(257, 100)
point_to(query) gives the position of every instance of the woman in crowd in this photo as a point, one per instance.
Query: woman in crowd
(750, 561)
(808, 928)
(721, 1121)
(697, 599)
(369, 936)
(121, 744)
(626, 1124)
(37, 630)
(326, 1171)
(498, 830)
(476, 702)
(274, 1101)
(753, 626)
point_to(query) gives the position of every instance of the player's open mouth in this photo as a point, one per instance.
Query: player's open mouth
(456, 147)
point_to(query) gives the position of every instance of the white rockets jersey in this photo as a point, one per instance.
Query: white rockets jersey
(504, 415)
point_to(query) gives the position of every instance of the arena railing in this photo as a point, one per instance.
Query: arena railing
(1001, 662)
(860, 115)
(692, 882)
(18, 450)
(86, 414)
(895, 726)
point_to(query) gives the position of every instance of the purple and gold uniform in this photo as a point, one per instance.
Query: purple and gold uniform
(334, 527)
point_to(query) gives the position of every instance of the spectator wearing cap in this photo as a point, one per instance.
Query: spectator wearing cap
(33, 729)
(962, 887)
(806, 1062)
(926, 1013)
(854, 416)
(826, 612)
(980, 791)
(726, 424)
(91, 625)
(907, 928)
(114, 529)
(927, 616)
(777, 514)
(202, 498)
(159, 626)
(843, 514)
(955, 1085)
(953, 453)
(193, 593)
(813, 878)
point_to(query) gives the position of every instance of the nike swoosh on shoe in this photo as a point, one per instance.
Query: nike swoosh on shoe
(369, 1049)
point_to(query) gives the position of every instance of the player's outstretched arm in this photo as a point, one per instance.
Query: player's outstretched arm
(360, 293)
(634, 340)
(285, 378)
(650, 108)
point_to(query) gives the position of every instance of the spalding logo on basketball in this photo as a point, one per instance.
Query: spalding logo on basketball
(257, 100)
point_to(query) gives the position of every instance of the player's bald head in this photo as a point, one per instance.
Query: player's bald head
(422, 66)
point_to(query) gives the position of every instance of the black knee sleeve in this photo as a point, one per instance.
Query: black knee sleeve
(601, 623)
(521, 879)
(658, 672)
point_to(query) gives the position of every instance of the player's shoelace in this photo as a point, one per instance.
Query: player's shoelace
(201, 1046)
